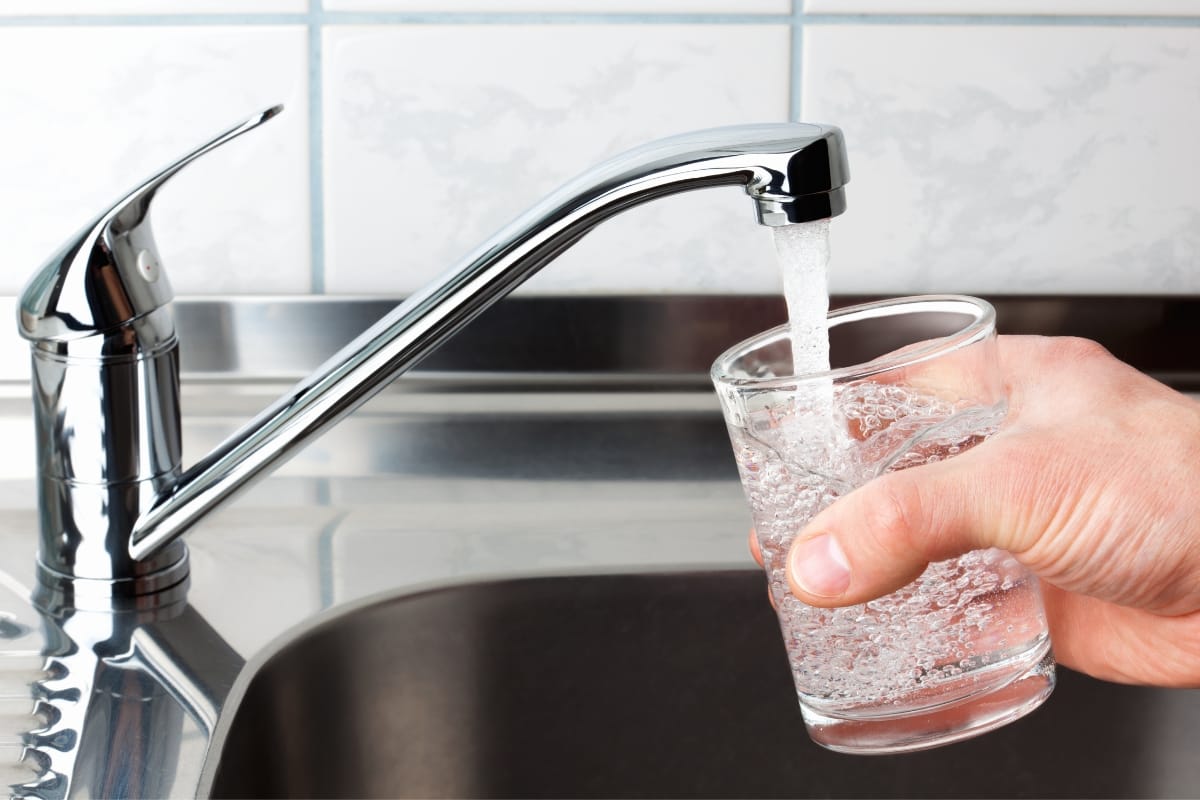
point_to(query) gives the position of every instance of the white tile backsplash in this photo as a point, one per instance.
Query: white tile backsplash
(92, 111)
(1051, 153)
(1039, 7)
(1013, 159)
(423, 164)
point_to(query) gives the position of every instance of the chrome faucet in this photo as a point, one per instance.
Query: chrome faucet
(113, 495)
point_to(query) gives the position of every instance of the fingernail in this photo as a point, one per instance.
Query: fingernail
(819, 566)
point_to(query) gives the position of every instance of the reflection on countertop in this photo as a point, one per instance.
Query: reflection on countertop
(418, 489)
(599, 450)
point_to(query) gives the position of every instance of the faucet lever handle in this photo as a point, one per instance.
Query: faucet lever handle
(109, 273)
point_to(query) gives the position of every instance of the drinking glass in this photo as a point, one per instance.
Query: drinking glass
(964, 648)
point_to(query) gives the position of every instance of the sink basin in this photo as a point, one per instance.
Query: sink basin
(648, 685)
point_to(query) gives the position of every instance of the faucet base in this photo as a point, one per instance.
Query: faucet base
(151, 590)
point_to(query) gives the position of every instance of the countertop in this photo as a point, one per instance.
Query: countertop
(599, 449)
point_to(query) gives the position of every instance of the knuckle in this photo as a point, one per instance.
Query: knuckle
(893, 513)
(1075, 348)
(1030, 480)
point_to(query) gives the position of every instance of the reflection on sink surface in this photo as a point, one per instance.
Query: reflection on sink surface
(660, 685)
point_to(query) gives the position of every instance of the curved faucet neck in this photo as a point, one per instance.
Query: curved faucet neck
(793, 172)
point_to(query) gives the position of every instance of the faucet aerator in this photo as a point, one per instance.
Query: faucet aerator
(775, 212)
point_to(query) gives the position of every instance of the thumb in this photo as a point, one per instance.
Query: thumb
(882, 535)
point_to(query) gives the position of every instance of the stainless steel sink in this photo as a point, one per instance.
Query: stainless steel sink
(651, 685)
(599, 451)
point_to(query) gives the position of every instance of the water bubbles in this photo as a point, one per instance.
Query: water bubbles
(922, 636)
(919, 636)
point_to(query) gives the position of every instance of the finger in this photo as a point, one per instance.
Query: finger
(754, 548)
(756, 551)
(881, 536)
(1111, 642)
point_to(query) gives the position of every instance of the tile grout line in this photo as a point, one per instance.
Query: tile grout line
(1027, 20)
(385, 18)
(316, 192)
(795, 86)
(316, 149)
(797, 15)
(325, 558)
(553, 18)
(534, 18)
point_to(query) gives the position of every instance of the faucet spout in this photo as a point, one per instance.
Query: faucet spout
(794, 173)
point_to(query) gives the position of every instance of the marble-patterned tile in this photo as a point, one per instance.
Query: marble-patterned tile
(1038, 7)
(93, 111)
(18, 8)
(569, 6)
(422, 164)
(1012, 159)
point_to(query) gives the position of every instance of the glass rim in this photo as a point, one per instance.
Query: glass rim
(978, 329)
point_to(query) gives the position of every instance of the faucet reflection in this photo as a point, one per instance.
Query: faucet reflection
(114, 497)
(121, 688)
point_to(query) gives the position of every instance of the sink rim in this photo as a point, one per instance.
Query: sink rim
(332, 615)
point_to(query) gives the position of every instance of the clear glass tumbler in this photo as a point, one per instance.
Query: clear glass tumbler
(964, 648)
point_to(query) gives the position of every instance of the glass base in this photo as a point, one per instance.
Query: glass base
(936, 725)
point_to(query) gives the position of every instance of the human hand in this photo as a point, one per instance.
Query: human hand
(1093, 483)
